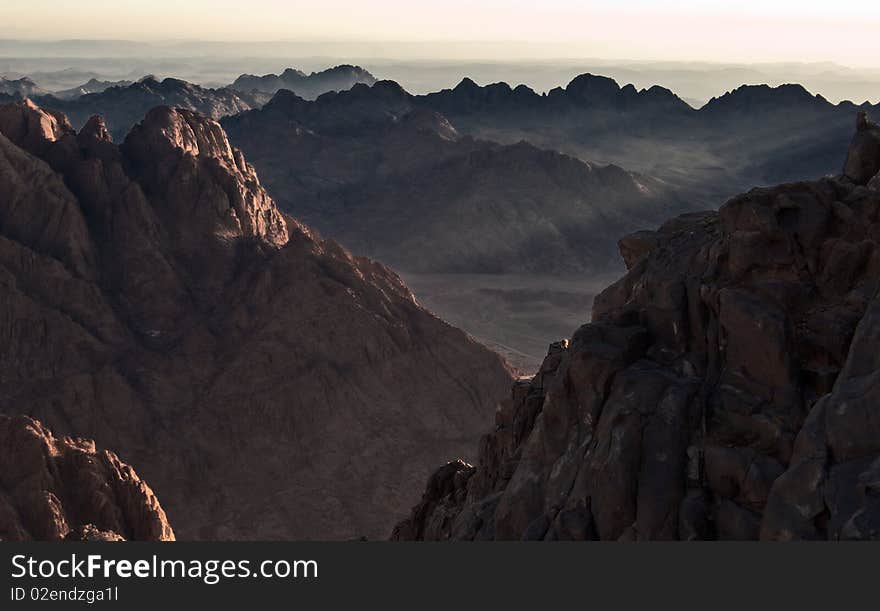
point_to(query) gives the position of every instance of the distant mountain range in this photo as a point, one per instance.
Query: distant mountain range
(396, 181)
(161, 295)
(751, 136)
(307, 86)
(90, 86)
(499, 179)
(360, 162)
(123, 103)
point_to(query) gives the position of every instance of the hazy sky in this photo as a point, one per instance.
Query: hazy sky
(843, 31)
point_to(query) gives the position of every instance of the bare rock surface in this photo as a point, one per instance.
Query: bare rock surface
(863, 160)
(726, 388)
(268, 384)
(64, 489)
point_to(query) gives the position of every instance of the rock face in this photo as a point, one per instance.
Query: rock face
(396, 181)
(863, 160)
(727, 388)
(266, 383)
(53, 489)
(306, 86)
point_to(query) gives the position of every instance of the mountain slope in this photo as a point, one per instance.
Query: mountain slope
(53, 489)
(265, 382)
(395, 181)
(726, 389)
(22, 87)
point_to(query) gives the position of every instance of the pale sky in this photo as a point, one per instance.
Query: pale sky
(842, 31)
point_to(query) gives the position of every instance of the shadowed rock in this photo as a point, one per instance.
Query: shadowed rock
(726, 389)
(863, 160)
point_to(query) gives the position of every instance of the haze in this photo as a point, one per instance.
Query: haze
(708, 30)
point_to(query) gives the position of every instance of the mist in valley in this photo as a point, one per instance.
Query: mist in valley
(693, 162)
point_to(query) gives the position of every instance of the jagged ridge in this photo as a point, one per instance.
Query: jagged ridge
(727, 387)
(264, 381)
(53, 489)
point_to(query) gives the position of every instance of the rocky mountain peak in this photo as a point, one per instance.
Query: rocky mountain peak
(95, 129)
(62, 488)
(592, 88)
(32, 127)
(764, 98)
(467, 84)
(292, 73)
(863, 159)
(166, 128)
(309, 86)
(264, 386)
(171, 146)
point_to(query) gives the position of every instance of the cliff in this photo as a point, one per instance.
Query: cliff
(726, 388)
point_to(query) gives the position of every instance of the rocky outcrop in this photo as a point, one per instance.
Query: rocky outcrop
(53, 489)
(725, 389)
(306, 86)
(268, 384)
(863, 160)
(32, 128)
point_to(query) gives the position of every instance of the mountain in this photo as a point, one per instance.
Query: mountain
(22, 87)
(267, 383)
(396, 181)
(586, 91)
(53, 79)
(351, 152)
(123, 106)
(726, 388)
(754, 135)
(307, 86)
(91, 86)
(53, 489)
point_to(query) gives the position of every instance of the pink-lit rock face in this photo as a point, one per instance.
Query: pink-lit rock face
(62, 488)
